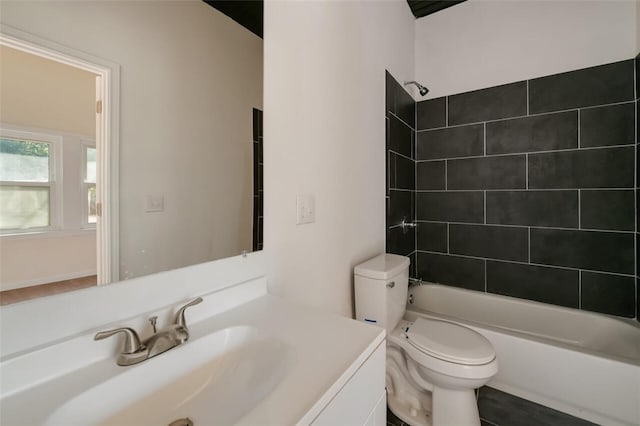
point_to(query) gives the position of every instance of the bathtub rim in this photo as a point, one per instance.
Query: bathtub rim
(412, 308)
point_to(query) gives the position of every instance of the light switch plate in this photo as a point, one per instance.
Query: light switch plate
(305, 209)
(155, 203)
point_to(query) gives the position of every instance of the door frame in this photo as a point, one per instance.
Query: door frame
(107, 135)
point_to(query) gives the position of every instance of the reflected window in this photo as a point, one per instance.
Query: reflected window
(26, 184)
(89, 185)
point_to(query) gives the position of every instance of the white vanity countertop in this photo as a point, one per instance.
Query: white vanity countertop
(323, 351)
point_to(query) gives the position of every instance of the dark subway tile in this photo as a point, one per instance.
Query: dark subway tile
(591, 168)
(451, 270)
(609, 294)
(638, 207)
(637, 299)
(533, 208)
(402, 172)
(637, 64)
(599, 85)
(399, 207)
(260, 178)
(400, 137)
(463, 141)
(413, 265)
(256, 124)
(432, 237)
(501, 172)
(405, 107)
(450, 206)
(496, 242)
(399, 242)
(431, 175)
(389, 90)
(609, 125)
(431, 113)
(608, 210)
(391, 171)
(538, 133)
(508, 100)
(598, 251)
(539, 283)
(503, 409)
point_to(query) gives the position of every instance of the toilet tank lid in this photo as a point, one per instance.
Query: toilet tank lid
(382, 267)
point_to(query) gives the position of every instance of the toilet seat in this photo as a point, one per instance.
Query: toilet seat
(450, 342)
(399, 338)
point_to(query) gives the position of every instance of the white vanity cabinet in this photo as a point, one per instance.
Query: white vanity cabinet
(362, 400)
(251, 359)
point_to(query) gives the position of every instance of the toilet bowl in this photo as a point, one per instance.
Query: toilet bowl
(433, 366)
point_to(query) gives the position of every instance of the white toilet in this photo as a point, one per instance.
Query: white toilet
(433, 366)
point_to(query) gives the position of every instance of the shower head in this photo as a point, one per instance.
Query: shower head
(423, 90)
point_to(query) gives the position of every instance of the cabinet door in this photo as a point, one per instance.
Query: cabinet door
(355, 403)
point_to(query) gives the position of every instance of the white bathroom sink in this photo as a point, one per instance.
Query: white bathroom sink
(215, 379)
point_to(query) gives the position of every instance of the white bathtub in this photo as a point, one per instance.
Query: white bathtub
(580, 363)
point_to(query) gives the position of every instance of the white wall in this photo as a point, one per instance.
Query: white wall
(483, 43)
(324, 135)
(28, 261)
(189, 79)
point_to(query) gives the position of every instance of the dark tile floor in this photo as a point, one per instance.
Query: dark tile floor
(502, 409)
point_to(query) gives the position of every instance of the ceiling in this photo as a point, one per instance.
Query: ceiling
(249, 13)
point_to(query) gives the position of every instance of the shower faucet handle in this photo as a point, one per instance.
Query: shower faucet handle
(407, 225)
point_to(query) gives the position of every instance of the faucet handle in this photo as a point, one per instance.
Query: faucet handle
(180, 319)
(131, 342)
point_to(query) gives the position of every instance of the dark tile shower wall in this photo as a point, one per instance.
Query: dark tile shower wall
(526, 189)
(400, 169)
(258, 190)
(637, 64)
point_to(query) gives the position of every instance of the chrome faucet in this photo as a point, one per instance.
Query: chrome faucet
(135, 351)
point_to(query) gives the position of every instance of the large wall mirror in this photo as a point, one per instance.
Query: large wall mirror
(190, 142)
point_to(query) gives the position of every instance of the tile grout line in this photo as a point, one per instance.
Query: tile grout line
(579, 211)
(528, 189)
(527, 98)
(484, 128)
(485, 276)
(521, 226)
(448, 233)
(446, 112)
(484, 196)
(446, 171)
(506, 154)
(522, 116)
(579, 288)
(415, 198)
(579, 144)
(519, 262)
(526, 169)
(529, 244)
(400, 120)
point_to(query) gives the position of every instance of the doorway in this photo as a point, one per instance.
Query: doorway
(90, 185)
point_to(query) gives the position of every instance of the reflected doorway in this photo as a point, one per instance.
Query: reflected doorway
(52, 168)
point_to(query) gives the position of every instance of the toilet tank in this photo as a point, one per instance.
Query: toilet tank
(381, 286)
